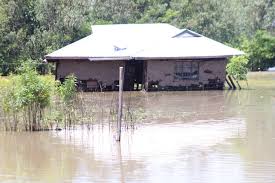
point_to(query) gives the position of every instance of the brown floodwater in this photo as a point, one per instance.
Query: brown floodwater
(197, 136)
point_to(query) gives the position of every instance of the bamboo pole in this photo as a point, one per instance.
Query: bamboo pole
(119, 116)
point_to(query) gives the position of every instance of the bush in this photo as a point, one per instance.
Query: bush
(67, 94)
(27, 94)
(67, 90)
(237, 67)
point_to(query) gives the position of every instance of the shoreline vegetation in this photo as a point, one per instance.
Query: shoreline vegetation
(32, 102)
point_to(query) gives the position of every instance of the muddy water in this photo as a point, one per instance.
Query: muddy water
(210, 136)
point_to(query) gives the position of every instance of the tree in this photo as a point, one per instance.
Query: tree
(30, 29)
(260, 50)
(33, 28)
(113, 11)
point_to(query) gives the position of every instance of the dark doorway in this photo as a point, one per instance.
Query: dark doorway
(133, 76)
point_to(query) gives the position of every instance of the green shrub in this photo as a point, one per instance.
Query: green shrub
(27, 94)
(237, 67)
(67, 90)
(67, 94)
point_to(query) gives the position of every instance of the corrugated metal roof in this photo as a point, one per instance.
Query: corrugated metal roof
(142, 41)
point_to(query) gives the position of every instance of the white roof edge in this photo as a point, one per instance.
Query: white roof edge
(137, 58)
(89, 58)
(109, 58)
(189, 58)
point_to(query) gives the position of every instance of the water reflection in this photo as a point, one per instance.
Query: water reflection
(215, 136)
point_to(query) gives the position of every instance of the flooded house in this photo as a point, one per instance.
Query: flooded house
(155, 57)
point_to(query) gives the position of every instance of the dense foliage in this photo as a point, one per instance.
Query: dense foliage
(29, 29)
(237, 67)
(26, 96)
(67, 90)
(260, 51)
(67, 94)
(31, 102)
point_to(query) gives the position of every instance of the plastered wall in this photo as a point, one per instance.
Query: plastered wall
(163, 71)
(104, 71)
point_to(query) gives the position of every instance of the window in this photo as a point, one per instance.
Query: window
(186, 70)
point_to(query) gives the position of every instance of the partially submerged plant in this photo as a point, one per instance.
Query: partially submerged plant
(33, 102)
(237, 67)
(67, 94)
(29, 94)
(67, 90)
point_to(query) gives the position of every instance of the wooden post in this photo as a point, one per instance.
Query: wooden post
(228, 83)
(232, 82)
(237, 82)
(119, 116)
(145, 79)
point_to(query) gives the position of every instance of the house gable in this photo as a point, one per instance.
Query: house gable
(185, 33)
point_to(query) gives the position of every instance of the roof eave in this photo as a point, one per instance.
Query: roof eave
(54, 58)
(185, 58)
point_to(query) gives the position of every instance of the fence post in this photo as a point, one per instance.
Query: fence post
(119, 116)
